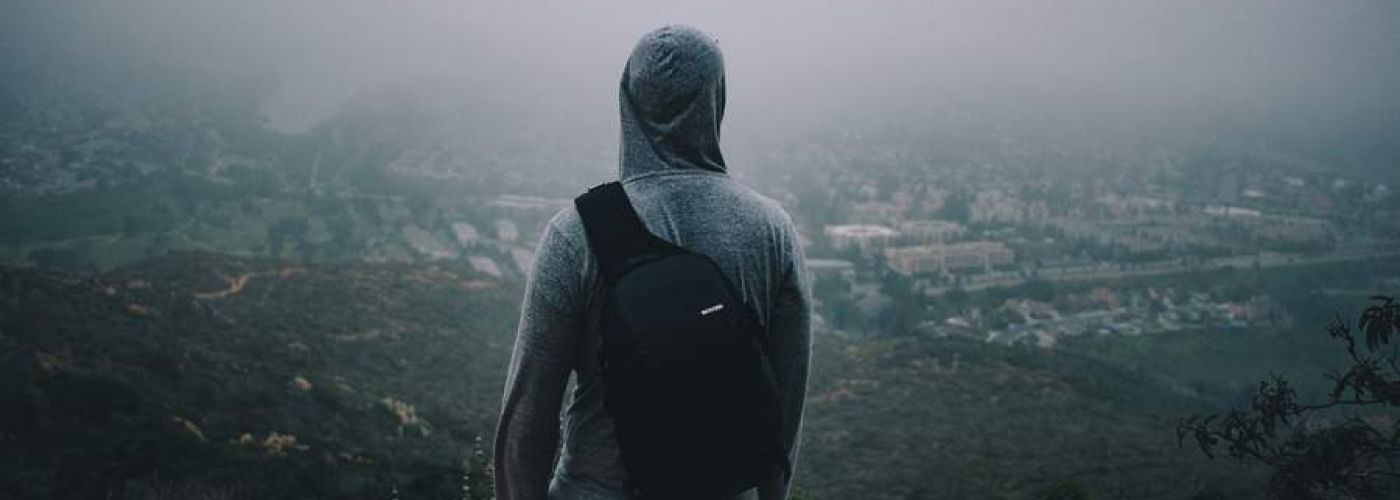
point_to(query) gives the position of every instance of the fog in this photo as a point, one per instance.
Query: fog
(1281, 70)
(277, 249)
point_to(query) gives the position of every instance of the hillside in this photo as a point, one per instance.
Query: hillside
(266, 379)
(952, 418)
(249, 377)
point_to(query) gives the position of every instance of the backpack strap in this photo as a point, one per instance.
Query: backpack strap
(615, 232)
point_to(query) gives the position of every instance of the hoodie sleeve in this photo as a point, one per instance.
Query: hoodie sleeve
(527, 435)
(792, 348)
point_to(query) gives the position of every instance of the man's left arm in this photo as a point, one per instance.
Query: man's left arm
(791, 330)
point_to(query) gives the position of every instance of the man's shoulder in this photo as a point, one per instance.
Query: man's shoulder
(567, 223)
(563, 233)
(768, 207)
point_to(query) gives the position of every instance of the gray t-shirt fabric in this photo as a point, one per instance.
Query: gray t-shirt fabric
(672, 101)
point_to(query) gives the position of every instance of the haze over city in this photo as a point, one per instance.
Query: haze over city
(1251, 70)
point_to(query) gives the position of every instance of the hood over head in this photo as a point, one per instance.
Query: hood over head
(672, 102)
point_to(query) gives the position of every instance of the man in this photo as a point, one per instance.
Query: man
(671, 168)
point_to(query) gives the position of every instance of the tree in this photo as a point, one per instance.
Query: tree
(957, 208)
(480, 481)
(905, 309)
(293, 227)
(1067, 490)
(1347, 446)
(1038, 289)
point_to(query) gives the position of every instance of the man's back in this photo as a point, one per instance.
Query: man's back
(676, 180)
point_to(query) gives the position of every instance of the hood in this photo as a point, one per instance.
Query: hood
(672, 102)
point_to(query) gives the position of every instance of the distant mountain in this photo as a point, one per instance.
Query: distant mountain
(113, 168)
(254, 378)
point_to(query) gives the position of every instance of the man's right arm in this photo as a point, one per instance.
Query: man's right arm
(527, 435)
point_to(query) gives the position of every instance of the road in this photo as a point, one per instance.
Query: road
(1164, 268)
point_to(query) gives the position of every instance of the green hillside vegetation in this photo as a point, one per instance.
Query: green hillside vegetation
(953, 418)
(201, 372)
(208, 375)
(1343, 444)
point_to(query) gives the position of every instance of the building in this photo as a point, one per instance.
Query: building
(1000, 207)
(876, 212)
(822, 268)
(865, 237)
(506, 231)
(925, 232)
(942, 258)
(466, 234)
(523, 258)
(530, 203)
(484, 265)
(426, 244)
(1231, 211)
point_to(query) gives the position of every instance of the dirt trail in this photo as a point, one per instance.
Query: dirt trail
(235, 286)
(237, 283)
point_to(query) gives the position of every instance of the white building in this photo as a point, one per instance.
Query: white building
(821, 268)
(924, 232)
(506, 231)
(931, 259)
(866, 237)
(528, 203)
(1231, 211)
(466, 234)
(523, 258)
(485, 265)
(427, 244)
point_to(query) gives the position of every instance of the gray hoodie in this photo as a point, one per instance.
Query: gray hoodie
(672, 102)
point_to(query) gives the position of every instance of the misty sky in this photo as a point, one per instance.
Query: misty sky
(1302, 64)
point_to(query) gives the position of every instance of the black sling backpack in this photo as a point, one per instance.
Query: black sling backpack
(684, 362)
